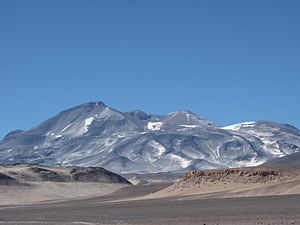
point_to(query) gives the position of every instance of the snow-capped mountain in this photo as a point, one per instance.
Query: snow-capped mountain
(93, 134)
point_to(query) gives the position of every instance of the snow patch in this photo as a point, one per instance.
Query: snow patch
(246, 163)
(66, 128)
(189, 126)
(182, 161)
(154, 125)
(239, 126)
(87, 123)
(161, 149)
(272, 147)
(188, 117)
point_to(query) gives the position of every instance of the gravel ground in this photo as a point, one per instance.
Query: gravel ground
(284, 209)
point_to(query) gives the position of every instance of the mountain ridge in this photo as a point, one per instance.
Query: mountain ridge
(93, 134)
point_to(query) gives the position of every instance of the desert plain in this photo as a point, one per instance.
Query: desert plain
(259, 195)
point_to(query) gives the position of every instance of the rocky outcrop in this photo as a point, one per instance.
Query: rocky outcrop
(227, 177)
(237, 175)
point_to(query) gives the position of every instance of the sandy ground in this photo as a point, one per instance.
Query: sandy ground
(227, 191)
(25, 183)
(49, 191)
(272, 210)
(63, 203)
(288, 183)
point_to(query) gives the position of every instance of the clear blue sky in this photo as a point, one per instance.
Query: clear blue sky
(229, 61)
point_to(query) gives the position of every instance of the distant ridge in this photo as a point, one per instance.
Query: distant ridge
(19, 174)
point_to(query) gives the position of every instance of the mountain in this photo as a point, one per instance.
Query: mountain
(291, 159)
(94, 134)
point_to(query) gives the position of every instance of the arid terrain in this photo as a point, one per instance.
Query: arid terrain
(24, 183)
(237, 182)
(258, 195)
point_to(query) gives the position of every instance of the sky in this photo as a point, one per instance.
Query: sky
(228, 61)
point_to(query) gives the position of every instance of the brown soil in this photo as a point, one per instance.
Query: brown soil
(235, 182)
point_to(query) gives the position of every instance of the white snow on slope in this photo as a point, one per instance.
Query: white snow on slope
(80, 128)
(160, 149)
(246, 163)
(239, 126)
(87, 123)
(182, 161)
(189, 126)
(66, 128)
(154, 125)
(188, 117)
(272, 147)
(269, 145)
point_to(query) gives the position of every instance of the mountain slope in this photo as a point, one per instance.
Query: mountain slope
(292, 159)
(93, 134)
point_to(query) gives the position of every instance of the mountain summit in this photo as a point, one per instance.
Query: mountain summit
(94, 134)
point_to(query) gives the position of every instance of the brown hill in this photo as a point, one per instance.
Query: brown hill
(235, 182)
(24, 183)
(22, 173)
